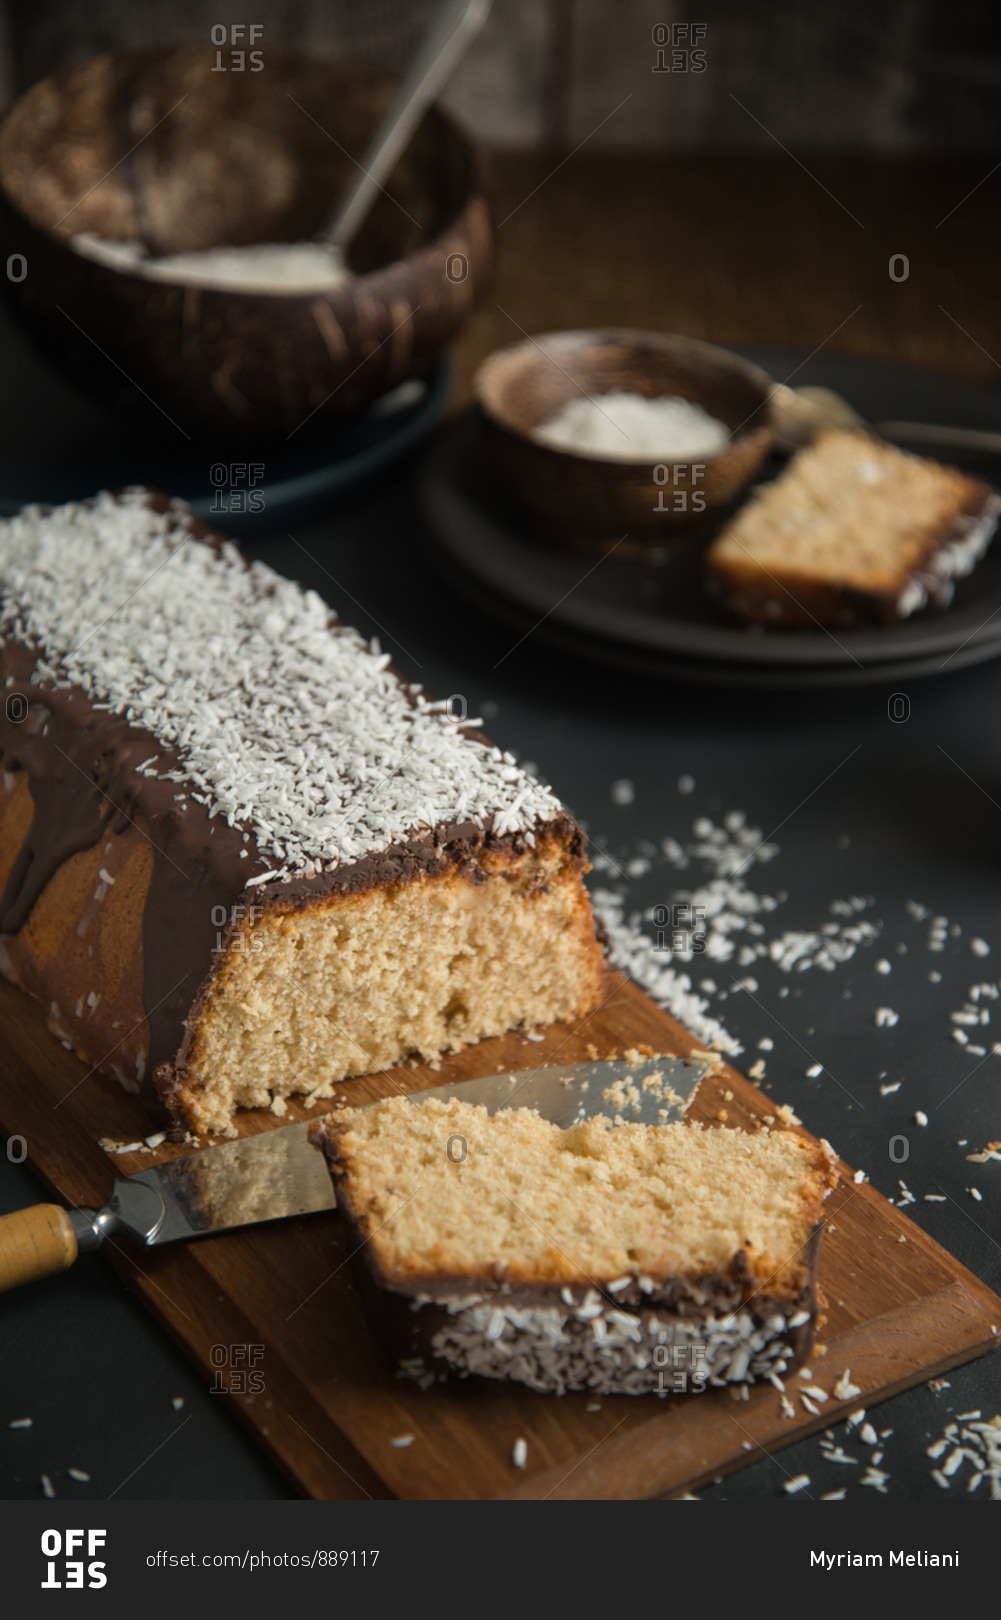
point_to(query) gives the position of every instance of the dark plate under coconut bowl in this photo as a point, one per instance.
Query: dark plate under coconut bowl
(581, 499)
(153, 146)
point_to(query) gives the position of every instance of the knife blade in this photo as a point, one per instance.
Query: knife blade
(279, 1174)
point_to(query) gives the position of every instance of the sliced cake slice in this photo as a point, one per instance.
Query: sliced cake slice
(854, 531)
(616, 1258)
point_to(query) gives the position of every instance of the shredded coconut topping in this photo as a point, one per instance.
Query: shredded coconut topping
(288, 724)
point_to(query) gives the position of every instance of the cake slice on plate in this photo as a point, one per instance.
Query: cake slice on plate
(853, 532)
(615, 1258)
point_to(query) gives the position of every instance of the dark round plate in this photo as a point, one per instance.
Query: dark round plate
(653, 612)
(59, 446)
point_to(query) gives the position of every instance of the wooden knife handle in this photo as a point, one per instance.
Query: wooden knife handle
(34, 1243)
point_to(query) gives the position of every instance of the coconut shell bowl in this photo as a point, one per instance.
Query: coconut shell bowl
(153, 146)
(582, 499)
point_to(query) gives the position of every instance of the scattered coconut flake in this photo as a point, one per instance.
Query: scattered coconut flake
(844, 1389)
(519, 1454)
(47, 1490)
(401, 1440)
(21, 1423)
(623, 791)
(799, 1482)
(886, 1018)
(79, 1474)
(920, 1118)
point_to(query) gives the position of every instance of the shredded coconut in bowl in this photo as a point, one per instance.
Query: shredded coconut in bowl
(621, 426)
(263, 267)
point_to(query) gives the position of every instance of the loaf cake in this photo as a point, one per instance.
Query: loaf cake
(622, 1259)
(854, 531)
(239, 857)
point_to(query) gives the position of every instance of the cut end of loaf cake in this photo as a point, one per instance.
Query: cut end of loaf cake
(592, 1257)
(357, 980)
(854, 531)
(240, 857)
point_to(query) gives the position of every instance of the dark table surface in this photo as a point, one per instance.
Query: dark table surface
(859, 804)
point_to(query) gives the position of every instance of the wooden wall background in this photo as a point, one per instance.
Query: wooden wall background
(886, 76)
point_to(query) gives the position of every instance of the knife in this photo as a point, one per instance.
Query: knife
(278, 1173)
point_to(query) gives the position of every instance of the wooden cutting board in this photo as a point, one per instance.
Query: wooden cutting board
(324, 1403)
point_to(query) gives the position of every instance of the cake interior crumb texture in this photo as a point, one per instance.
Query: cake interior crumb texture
(852, 513)
(357, 982)
(524, 1202)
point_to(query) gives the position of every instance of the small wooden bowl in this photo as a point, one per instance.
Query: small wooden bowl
(153, 145)
(583, 499)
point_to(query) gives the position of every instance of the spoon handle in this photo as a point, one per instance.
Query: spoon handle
(453, 26)
(928, 433)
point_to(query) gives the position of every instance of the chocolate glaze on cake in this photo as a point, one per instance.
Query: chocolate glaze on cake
(714, 1329)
